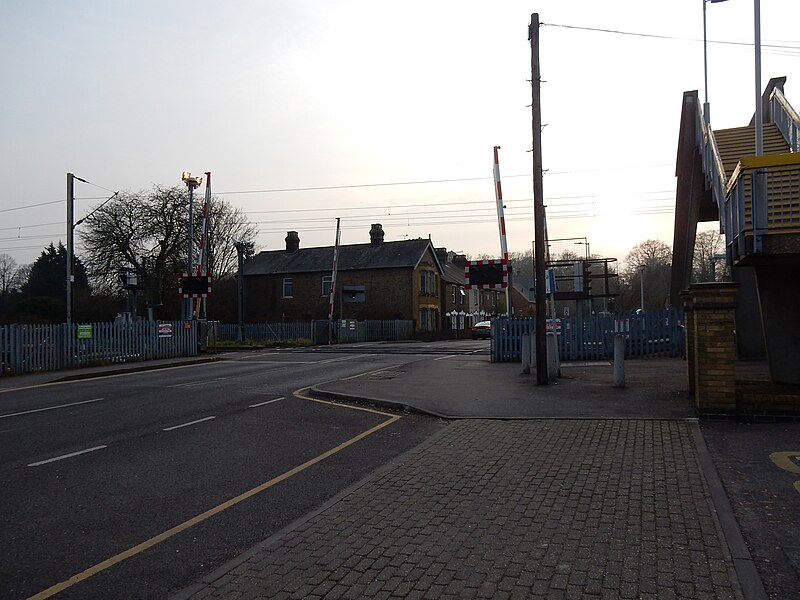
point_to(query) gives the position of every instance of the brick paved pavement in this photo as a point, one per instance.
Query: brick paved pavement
(508, 509)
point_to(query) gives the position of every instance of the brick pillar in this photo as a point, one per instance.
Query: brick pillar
(688, 334)
(714, 341)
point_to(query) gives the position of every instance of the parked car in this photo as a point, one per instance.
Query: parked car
(482, 330)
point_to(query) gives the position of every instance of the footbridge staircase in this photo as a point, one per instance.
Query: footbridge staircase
(756, 200)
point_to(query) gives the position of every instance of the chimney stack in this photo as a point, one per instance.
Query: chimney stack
(292, 241)
(376, 235)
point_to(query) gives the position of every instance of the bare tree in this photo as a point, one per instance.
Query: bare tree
(9, 274)
(650, 253)
(707, 245)
(141, 232)
(226, 224)
(647, 267)
(145, 232)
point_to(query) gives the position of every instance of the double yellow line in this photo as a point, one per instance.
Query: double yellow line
(139, 548)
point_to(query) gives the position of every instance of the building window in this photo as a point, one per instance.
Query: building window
(461, 294)
(454, 294)
(288, 287)
(475, 297)
(326, 285)
(427, 282)
(427, 319)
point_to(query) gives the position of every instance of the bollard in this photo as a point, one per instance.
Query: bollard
(619, 360)
(526, 353)
(553, 365)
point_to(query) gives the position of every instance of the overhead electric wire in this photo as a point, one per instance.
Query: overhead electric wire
(50, 202)
(27, 237)
(424, 222)
(348, 186)
(457, 203)
(436, 212)
(428, 181)
(582, 199)
(12, 248)
(781, 47)
(4, 210)
(554, 208)
(96, 208)
(30, 226)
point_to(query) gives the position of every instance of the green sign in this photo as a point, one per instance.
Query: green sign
(85, 332)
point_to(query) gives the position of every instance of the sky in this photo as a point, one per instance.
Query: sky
(309, 110)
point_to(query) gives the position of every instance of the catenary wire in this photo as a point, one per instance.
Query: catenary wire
(782, 47)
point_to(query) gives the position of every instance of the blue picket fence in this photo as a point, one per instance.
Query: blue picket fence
(653, 333)
(32, 348)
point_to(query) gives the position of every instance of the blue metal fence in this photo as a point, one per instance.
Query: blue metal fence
(653, 333)
(32, 348)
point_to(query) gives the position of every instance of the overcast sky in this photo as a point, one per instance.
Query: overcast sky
(390, 111)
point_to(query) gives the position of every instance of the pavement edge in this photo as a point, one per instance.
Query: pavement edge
(749, 579)
(317, 392)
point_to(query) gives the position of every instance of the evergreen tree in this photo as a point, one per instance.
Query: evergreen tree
(48, 275)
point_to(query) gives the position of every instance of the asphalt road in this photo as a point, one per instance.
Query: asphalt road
(135, 482)
(758, 465)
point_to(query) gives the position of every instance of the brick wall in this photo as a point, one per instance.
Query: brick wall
(713, 352)
(390, 294)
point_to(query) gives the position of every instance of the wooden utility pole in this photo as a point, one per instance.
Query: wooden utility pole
(539, 241)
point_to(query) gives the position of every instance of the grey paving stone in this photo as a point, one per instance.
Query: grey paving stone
(549, 509)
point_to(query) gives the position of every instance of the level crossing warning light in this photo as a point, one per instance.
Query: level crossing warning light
(486, 274)
(194, 286)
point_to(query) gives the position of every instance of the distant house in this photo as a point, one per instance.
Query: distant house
(522, 296)
(400, 280)
(455, 302)
(462, 308)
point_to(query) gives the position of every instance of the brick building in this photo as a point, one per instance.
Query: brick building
(401, 280)
(462, 308)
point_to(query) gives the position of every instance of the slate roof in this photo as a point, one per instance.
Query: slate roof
(524, 284)
(388, 255)
(454, 273)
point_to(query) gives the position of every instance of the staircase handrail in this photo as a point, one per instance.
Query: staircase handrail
(712, 162)
(786, 118)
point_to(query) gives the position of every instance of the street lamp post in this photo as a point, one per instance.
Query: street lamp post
(191, 183)
(706, 106)
(641, 287)
(758, 115)
(70, 241)
(241, 246)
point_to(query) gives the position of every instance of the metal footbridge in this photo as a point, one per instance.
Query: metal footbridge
(756, 199)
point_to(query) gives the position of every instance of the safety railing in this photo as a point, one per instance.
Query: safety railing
(786, 118)
(762, 199)
(712, 162)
